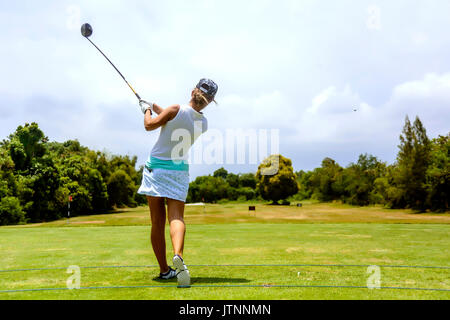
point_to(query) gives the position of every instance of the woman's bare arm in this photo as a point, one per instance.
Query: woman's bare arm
(158, 110)
(165, 116)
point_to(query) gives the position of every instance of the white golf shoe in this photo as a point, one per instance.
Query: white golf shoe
(168, 275)
(183, 276)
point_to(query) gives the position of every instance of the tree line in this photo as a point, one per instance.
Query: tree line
(223, 185)
(419, 179)
(37, 177)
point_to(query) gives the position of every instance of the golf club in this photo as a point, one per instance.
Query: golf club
(86, 31)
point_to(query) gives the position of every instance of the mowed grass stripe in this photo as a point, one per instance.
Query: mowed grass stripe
(238, 265)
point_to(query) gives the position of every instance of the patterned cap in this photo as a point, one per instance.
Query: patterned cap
(208, 87)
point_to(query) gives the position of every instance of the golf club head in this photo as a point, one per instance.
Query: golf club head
(86, 30)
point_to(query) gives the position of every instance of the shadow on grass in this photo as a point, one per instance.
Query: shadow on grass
(206, 280)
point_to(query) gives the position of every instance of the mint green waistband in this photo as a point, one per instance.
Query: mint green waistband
(154, 163)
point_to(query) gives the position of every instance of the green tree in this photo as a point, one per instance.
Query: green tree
(246, 193)
(125, 163)
(304, 181)
(8, 183)
(323, 181)
(360, 179)
(247, 180)
(82, 198)
(233, 180)
(413, 160)
(121, 189)
(209, 189)
(11, 211)
(28, 143)
(79, 178)
(36, 175)
(41, 175)
(278, 186)
(438, 175)
(128, 165)
(220, 173)
(44, 182)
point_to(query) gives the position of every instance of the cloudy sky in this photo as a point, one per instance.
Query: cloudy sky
(299, 66)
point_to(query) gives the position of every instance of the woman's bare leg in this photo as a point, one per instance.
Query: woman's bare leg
(158, 216)
(177, 226)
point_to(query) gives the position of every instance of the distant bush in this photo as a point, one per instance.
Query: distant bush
(222, 185)
(11, 211)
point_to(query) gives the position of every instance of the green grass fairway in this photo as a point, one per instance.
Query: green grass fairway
(317, 234)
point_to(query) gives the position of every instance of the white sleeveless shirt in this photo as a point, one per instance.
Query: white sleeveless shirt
(179, 134)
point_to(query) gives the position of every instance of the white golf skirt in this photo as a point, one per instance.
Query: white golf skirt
(161, 183)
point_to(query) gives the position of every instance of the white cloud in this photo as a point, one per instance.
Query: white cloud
(265, 111)
(432, 86)
(332, 116)
(428, 98)
(333, 101)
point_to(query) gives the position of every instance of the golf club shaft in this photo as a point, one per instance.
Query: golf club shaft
(139, 98)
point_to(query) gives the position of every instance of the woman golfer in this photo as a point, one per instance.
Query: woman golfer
(166, 174)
